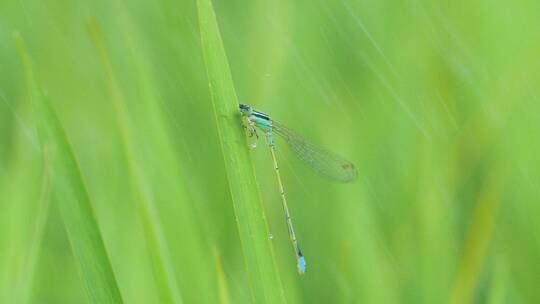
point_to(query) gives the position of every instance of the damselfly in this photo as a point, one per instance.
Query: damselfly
(321, 160)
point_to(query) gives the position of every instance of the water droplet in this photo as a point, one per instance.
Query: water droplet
(271, 236)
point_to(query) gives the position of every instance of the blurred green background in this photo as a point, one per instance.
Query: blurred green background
(436, 102)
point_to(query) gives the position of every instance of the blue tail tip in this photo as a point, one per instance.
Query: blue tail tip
(302, 265)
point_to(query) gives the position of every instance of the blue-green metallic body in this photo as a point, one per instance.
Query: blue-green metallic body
(264, 124)
(261, 120)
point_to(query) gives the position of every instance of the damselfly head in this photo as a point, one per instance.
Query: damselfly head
(244, 108)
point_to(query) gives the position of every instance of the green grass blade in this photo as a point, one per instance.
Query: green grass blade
(71, 195)
(25, 285)
(263, 275)
(156, 244)
(477, 242)
(223, 288)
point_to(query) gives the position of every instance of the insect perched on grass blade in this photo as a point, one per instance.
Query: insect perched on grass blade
(321, 160)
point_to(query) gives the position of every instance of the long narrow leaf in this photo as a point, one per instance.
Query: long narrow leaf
(71, 195)
(266, 286)
(156, 244)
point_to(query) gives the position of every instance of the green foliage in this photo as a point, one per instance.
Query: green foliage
(116, 156)
(69, 191)
(265, 284)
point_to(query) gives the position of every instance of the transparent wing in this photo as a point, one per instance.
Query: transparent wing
(321, 160)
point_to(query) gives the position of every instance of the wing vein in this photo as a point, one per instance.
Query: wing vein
(321, 160)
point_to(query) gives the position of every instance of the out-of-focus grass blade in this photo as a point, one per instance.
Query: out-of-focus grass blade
(499, 283)
(223, 288)
(25, 284)
(263, 275)
(166, 280)
(71, 195)
(477, 243)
